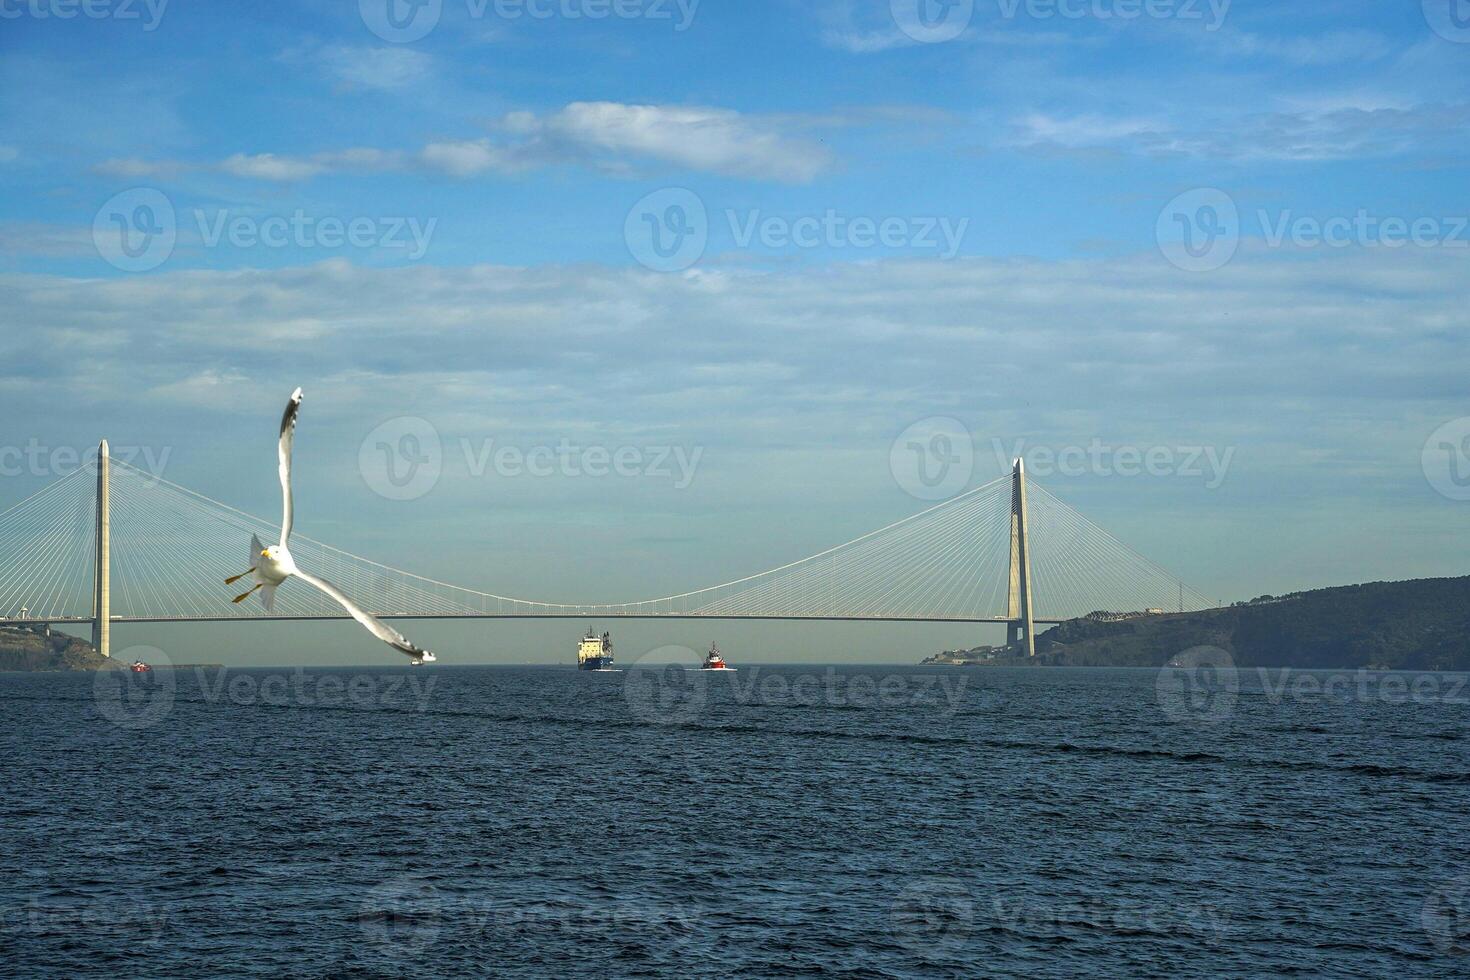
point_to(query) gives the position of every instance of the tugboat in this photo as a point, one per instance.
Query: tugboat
(713, 660)
(595, 652)
(139, 667)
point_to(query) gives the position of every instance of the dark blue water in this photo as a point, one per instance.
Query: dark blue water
(865, 822)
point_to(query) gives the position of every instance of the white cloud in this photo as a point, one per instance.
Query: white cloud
(40, 239)
(268, 166)
(375, 68)
(466, 158)
(1137, 333)
(856, 41)
(361, 67)
(698, 138)
(1079, 131)
(610, 136)
(1325, 49)
(1289, 359)
(1297, 134)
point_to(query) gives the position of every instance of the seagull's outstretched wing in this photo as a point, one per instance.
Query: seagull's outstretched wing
(376, 626)
(283, 451)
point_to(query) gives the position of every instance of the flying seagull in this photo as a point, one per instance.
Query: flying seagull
(273, 565)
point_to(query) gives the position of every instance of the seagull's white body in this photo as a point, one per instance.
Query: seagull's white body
(272, 565)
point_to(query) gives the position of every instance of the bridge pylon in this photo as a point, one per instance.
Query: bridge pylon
(1019, 626)
(102, 572)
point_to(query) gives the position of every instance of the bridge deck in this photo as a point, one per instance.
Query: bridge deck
(74, 620)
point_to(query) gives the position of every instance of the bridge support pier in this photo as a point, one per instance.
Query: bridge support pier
(1019, 628)
(102, 573)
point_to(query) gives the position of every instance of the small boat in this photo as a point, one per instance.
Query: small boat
(139, 667)
(713, 660)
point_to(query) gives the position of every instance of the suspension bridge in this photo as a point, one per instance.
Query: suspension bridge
(110, 543)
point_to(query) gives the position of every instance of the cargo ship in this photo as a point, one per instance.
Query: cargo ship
(595, 652)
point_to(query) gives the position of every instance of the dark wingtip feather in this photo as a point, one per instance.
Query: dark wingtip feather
(293, 407)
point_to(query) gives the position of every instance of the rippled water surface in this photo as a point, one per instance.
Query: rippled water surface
(856, 822)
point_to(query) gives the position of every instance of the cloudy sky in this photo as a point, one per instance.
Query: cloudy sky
(763, 238)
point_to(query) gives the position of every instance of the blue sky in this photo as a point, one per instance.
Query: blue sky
(864, 220)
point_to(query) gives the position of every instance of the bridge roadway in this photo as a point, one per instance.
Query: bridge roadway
(257, 618)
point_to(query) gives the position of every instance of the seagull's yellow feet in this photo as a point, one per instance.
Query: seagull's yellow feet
(235, 578)
(245, 595)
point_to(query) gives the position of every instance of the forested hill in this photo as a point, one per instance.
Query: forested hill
(1422, 624)
(36, 648)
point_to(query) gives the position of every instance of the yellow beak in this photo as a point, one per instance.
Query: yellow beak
(265, 554)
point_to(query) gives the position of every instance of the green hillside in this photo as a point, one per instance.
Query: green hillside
(1422, 624)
